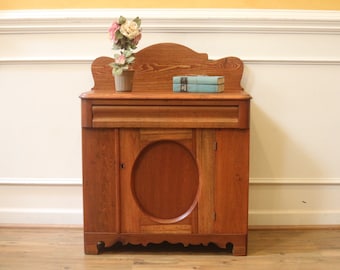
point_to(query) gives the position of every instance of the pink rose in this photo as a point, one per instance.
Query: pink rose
(113, 29)
(120, 60)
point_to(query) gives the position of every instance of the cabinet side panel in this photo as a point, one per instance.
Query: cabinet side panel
(99, 180)
(232, 181)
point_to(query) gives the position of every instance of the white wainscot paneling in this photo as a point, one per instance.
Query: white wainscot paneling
(294, 204)
(292, 67)
(40, 130)
(294, 121)
(41, 201)
(294, 143)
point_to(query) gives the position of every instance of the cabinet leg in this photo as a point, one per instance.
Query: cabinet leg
(91, 249)
(94, 249)
(240, 250)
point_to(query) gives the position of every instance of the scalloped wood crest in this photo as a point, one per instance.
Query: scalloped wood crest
(157, 64)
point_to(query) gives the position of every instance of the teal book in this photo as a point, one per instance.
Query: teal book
(198, 79)
(198, 88)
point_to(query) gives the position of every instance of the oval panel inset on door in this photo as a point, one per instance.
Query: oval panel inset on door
(165, 181)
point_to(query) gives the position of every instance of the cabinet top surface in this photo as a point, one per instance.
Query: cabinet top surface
(112, 95)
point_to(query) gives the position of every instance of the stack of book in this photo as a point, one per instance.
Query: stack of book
(198, 83)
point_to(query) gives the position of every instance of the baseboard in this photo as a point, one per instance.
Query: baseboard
(294, 218)
(41, 201)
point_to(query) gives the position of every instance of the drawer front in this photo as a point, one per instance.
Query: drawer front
(231, 116)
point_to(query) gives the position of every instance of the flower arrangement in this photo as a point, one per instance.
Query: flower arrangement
(125, 35)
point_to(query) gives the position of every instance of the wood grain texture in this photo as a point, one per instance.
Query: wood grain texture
(154, 71)
(232, 181)
(166, 116)
(62, 248)
(100, 161)
(162, 166)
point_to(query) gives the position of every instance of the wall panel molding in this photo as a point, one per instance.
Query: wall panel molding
(45, 61)
(41, 216)
(173, 21)
(252, 181)
(88, 61)
(295, 181)
(41, 24)
(41, 181)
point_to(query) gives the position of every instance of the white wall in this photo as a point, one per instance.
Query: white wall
(292, 67)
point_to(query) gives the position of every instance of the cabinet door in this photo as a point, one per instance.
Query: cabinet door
(232, 181)
(100, 165)
(159, 181)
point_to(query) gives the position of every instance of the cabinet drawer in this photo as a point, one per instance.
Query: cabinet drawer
(169, 116)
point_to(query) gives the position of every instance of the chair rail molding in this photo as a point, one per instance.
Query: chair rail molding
(173, 20)
(35, 27)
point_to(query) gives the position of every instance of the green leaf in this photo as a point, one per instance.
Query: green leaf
(138, 21)
(128, 53)
(117, 71)
(130, 59)
(118, 35)
(121, 20)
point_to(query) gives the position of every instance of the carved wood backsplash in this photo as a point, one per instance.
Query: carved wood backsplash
(157, 64)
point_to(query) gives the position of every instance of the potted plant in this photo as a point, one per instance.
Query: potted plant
(125, 36)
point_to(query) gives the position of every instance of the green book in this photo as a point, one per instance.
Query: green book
(198, 79)
(198, 88)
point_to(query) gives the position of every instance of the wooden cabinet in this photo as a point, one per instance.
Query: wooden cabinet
(163, 166)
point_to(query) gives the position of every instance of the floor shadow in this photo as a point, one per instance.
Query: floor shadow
(166, 247)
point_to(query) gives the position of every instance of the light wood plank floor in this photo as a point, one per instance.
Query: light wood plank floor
(62, 248)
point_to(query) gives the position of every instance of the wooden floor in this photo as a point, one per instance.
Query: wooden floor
(62, 248)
